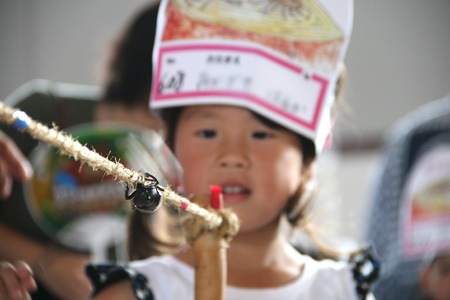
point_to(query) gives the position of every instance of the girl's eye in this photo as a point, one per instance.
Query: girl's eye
(261, 135)
(206, 133)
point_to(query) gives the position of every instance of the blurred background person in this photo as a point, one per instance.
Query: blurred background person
(124, 99)
(410, 213)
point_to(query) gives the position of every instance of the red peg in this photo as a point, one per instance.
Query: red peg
(216, 197)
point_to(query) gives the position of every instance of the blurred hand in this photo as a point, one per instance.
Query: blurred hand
(13, 164)
(16, 281)
(63, 273)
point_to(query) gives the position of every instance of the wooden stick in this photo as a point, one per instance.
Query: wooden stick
(210, 268)
(210, 255)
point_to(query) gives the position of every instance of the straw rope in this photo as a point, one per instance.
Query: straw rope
(75, 149)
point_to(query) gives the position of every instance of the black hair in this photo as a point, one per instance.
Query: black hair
(129, 72)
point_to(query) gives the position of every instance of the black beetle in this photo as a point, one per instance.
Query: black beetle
(146, 197)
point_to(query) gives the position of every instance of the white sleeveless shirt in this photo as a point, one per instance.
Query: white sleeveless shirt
(170, 279)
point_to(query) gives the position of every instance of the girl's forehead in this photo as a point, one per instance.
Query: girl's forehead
(214, 111)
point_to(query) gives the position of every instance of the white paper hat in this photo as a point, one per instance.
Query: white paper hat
(277, 58)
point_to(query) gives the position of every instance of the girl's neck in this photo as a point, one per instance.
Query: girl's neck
(259, 259)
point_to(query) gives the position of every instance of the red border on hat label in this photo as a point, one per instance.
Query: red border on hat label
(250, 76)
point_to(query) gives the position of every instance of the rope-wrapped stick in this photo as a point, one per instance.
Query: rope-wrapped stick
(210, 229)
(75, 149)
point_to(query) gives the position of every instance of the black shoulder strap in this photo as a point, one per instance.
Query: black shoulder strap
(104, 275)
(365, 271)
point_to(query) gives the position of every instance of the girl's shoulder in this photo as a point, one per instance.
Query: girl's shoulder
(163, 266)
(158, 277)
(355, 275)
(328, 275)
(324, 279)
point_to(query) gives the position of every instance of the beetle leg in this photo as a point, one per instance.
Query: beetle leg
(149, 176)
(129, 196)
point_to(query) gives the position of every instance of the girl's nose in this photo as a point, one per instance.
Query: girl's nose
(233, 155)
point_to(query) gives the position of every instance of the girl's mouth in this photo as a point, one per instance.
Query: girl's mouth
(235, 193)
(234, 190)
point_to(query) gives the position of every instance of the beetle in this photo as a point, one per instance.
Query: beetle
(146, 197)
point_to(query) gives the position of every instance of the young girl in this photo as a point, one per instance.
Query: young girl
(243, 115)
(248, 111)
(262, 168)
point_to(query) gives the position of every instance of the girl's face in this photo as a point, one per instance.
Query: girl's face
(259, 168)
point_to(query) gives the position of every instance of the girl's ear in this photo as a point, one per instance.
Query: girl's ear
(308, 176)
(298, 207)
